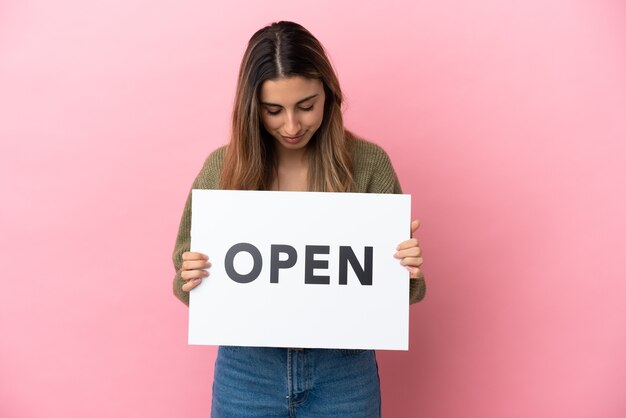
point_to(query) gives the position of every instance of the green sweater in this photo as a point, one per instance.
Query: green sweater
(372, 171)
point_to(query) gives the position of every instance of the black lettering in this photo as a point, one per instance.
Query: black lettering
(364, 274)
(276, 264)
(257, 262)
(310, 264)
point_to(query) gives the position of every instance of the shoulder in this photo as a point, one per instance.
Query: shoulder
(372, 169)
(216, 157)
(208, 178)
(366, 152)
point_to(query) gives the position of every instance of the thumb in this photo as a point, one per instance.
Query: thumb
(415, 225)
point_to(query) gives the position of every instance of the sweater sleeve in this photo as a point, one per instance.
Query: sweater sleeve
(385, 180)
(183, 241)
(417, 287)
(208, 178)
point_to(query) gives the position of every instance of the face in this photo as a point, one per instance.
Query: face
(292, 110)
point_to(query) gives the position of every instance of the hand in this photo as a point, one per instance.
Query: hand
(409, 253)
(192, 271)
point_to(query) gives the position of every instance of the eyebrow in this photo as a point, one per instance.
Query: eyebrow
(300, 101)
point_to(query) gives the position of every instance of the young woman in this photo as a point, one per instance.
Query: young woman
(288, 135)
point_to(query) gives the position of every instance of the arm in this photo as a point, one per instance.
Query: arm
(183, 241)
(187, 265)
(385, 180)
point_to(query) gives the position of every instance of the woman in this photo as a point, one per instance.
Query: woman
(288, 135)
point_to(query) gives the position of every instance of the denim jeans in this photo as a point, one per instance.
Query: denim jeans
(291, 382)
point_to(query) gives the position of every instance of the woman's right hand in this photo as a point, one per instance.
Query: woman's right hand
(192, 271)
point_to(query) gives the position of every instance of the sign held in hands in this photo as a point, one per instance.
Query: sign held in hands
(300, 269)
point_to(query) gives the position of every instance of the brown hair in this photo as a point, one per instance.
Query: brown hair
(285, 49)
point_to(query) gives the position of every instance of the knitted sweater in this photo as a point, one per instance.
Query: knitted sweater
(372, 172)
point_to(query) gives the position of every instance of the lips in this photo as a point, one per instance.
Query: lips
(293, 139)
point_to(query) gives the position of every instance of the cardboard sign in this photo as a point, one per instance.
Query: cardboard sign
(300, 269)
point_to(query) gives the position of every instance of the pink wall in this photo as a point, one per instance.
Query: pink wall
(505, 120)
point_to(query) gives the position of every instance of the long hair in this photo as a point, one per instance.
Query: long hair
(285, 49)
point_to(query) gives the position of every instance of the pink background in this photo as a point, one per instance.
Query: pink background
(506, 121)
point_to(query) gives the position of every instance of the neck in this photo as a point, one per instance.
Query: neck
(291, 171)
(292, 159)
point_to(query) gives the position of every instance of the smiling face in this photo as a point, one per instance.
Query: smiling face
(292, 109)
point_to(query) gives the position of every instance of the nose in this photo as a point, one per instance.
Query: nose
(292, 124)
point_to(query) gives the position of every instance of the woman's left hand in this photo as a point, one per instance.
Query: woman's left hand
(410, 254)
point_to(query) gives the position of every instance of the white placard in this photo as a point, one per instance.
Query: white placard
(305, 244)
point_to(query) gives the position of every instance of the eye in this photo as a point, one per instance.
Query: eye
(307, 109)
(274, 113)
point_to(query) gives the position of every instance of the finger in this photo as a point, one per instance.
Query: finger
(416, 273)
(415, 225)
(409, 252)
(191, 284)
(413, 242)
(195, 264)
(193, 274)
(188, 255)
(412, 261)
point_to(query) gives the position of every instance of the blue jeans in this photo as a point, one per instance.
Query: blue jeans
(289, 382)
